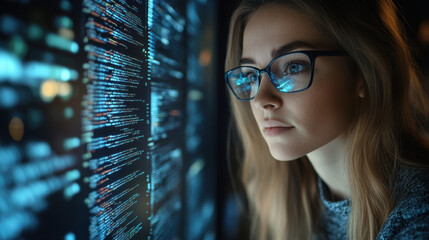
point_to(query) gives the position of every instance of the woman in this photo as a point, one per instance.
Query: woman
(326, 102)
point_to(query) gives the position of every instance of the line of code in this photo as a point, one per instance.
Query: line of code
(115, 123)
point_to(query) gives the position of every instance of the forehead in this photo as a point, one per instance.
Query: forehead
(273, 26)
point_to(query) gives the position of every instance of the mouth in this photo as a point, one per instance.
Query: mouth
(275, 131)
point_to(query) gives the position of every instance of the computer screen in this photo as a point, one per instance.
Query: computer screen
(106, 118)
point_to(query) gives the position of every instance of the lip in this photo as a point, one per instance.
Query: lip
(271, 123)
(274, 128)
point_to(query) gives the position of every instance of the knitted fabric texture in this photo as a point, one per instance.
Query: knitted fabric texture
(409, 220)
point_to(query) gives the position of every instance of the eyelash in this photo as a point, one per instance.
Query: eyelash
(305, 64)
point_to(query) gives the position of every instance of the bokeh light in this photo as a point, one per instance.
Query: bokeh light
(16, 129)
(205, 57)
(64, 90)
(48, 90)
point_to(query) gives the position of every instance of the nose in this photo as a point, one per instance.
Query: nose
(268, 97)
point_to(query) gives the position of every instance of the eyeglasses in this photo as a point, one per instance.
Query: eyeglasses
(289, 73)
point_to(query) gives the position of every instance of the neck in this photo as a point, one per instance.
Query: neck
(329, 163)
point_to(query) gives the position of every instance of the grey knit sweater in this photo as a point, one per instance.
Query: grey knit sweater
(409, 220)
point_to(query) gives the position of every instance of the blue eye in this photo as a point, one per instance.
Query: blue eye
(294, 68)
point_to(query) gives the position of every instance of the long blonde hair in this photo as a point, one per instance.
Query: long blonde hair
(283, 196)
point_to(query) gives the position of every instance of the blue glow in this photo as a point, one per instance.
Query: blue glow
(9, 98)
(70, 236)
(71, 190)
(10, 156)
(38, 169)
(18, 46)
(74, 47)
(68, 112)
(37, 149)
(15, 222)
(40, 70)
(66, 6)
(8, 24)
(34, 192)
(72, 175)
(56, 41)
(71, 143)
(65, 75)
(10, 66)
(35, 32)
(63, 21)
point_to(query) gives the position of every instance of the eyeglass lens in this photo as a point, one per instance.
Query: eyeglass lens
(288, 73)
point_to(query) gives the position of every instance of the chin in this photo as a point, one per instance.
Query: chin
(285, 155)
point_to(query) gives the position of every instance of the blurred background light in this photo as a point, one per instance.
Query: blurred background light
(16, 129)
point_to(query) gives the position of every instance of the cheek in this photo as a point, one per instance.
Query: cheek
(256, 112)
(327, 109)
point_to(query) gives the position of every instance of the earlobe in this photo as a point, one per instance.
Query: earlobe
(361, 88)
(361, 91)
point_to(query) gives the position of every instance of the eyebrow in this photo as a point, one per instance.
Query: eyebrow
(282, 50)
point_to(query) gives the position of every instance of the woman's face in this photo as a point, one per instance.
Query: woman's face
(295, 124)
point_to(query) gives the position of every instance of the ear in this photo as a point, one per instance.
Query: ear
(360, 87)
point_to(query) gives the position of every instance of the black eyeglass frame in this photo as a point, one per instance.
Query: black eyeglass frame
(312, 55)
